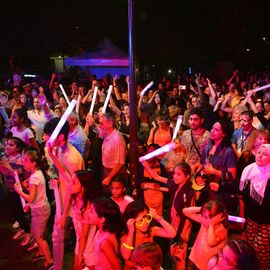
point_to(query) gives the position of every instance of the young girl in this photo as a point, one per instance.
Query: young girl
(106, 215)
(181, 196)
(20, 129)
(118, 188)
(213, 233)
(136, 221)
(81, 194)
(11, 161)
(38, 202)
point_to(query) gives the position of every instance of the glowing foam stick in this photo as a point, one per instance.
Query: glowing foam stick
(261, 88)
(64, 93)
(146, 88)
(236, 219)
(17, 180)
(164, 149)
(107, 99)
(177, 126)
(93, 101)
(62, 121)
(78, 103)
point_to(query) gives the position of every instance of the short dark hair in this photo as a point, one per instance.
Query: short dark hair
(109, 117)
(107, 208)
(197, 111)
(51, 125)
(248, 113)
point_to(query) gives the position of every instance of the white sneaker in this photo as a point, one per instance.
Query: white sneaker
(27, 239)
(16, 225)
(20, 233)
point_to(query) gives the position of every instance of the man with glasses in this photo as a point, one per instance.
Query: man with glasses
(240, 136)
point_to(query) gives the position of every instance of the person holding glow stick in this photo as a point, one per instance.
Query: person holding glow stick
(11, 161)
(72, 161)
(38, 202)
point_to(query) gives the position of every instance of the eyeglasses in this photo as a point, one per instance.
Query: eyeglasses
(148, 218)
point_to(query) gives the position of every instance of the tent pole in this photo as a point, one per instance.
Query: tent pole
(132, 99)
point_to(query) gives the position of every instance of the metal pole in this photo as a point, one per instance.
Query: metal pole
(133, 127)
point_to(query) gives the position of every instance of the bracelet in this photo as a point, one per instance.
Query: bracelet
(127, 246)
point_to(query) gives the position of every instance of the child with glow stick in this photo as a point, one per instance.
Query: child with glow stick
(38, 202)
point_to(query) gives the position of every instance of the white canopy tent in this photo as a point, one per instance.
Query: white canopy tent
(106, 58)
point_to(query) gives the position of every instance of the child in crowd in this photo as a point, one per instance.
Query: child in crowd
(147, 256)
(19, 128)
(213, 232)
(11, 161)
(105, 213)
(118, 189)
(136, 221)
(236, 255)
(181, 196)
(38, 202)
(81, 194)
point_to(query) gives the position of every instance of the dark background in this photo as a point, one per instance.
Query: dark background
(167, 32)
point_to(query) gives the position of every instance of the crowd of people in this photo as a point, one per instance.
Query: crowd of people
(219, 167)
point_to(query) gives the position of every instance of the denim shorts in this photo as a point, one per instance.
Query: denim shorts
(39, 220)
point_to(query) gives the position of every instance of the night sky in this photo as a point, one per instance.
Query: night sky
(166, 31)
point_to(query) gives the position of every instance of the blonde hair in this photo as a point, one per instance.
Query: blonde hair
(254, 135)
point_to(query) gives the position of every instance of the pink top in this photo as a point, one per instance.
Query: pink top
(101, 260)
(201, 252)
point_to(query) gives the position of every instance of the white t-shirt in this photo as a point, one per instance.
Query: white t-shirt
(24, 135)
(38, 179)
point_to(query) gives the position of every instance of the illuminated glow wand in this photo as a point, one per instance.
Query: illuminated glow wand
(145, 89)
(177, 126)
(64, 93)
(261, 88)
(93, 101)
(164, 149)
(51, 140)
(236, 219)
(107, 99)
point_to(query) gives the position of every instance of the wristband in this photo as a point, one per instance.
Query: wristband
(127, 246)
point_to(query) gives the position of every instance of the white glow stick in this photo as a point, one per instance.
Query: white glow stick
(78, 103)
(236, 219)
(93, 101)
(177, 126)
(146, 88)
(64, 93)
(107, 99)
(62, 121)
(17, 180)
(164, 149)
(261, 88)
